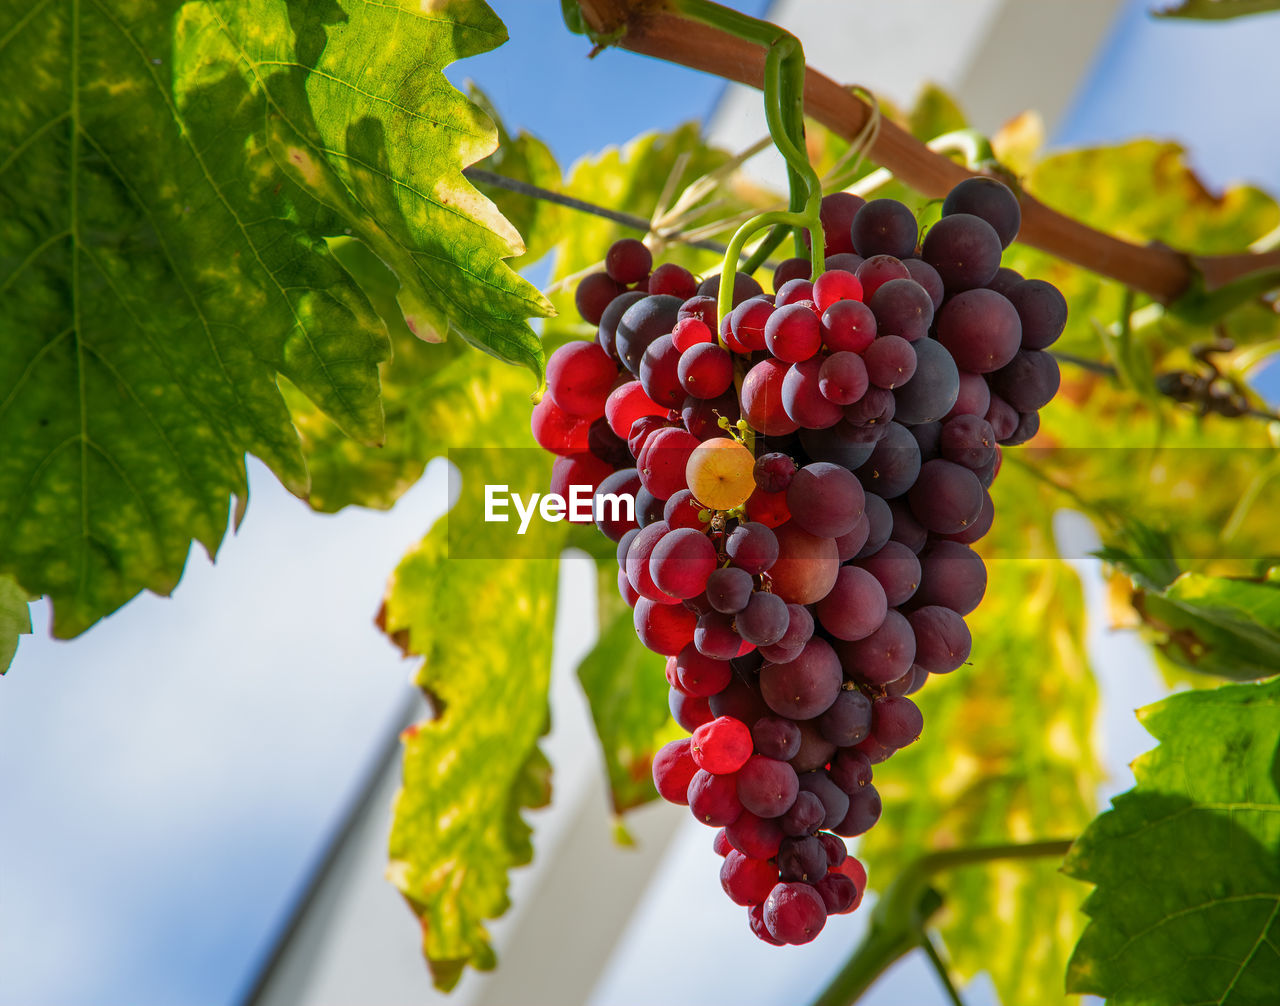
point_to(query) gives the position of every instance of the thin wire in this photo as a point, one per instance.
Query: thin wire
(630, 220)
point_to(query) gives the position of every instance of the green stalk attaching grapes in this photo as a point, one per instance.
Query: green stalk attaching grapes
(784, 113)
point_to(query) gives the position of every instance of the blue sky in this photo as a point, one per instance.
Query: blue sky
(172, 773)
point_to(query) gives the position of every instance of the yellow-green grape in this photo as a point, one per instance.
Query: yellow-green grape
(719, 473)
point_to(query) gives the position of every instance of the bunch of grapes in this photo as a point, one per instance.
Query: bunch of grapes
(809, 474)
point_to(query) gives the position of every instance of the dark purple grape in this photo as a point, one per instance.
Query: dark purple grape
(628, 261)
(946, 498)
(1042, 310)
(885, 655)
(776, 737)
(878, 270)
(964, 249)
(815, 750)
(989, 200)
(837, 213)
(850, 770)
(979, 527)
(766, 786)
(942, 638)
(834, 800)
(927, 276)
(799, 631)
(607, 332)
(794, 913)
(729, 590)
(952, 575)
(789, 269)
(739, 700)
(802, 858)
(884, 227)
(805, 687)
(1002, 417)
(613, 520)
(805, 816)
(864, 812)
(906, 528)
(1004, 281)
(902, 307)
(659, 372)
(1028, 426)
(848, 720)
(837, 851)
(894, 463)
(773, 472)
(980, 329)
(842, 444)
(974, 398)
(764, 620)
(968, 441)
(825, 499)
(649, 509)
(1028, 382)
(933, 389)
(875, 408)
(842, 378)
(845, 261)
(644, 322)
(855, 607)
(744, 287)
(889, 361)
(897, 570)
(752, 546)
(624, 543)
(896, 721)
(850, 544)
(608, 446)
(595, 293)
(879, 524)
(927, 437)
(715, 637)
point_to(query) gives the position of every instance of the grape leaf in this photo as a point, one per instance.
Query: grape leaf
(376, 133)
(1223, 626)
(1186, 907)
(627, 691)
(483, 628)
(159, 271)
(1005, 757)
(1217, 10)
(15, 619)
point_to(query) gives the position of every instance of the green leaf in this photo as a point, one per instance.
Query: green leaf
(364, 119)
(1217, 10)
(627, 691)
(1186, 907)
(483, 630)
(1223, 626)
(159, 270)
(1005, 757)
(15, 619)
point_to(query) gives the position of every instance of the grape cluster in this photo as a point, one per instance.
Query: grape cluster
(809, 475)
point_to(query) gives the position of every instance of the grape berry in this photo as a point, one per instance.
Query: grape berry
(805, 568)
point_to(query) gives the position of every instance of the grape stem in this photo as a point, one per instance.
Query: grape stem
(899, 918)
(716, 44)
(930, 946)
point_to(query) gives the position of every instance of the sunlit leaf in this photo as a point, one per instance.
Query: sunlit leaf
(15, 619)
(1186, 907)
(1216, 10)
(483, 630)
(160, 270)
